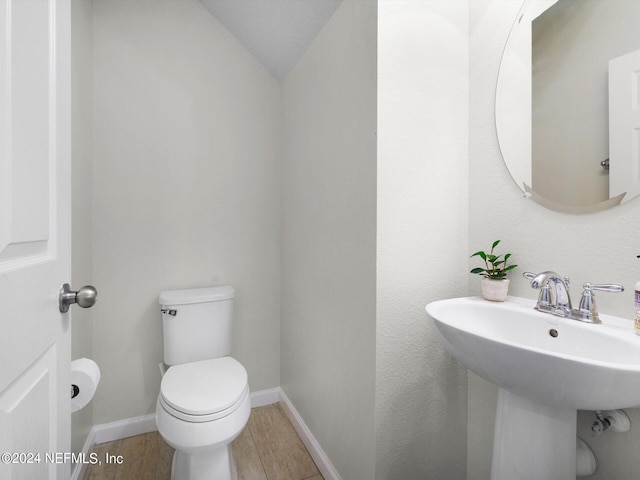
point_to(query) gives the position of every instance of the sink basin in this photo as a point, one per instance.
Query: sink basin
(546, 368)
(552, 360)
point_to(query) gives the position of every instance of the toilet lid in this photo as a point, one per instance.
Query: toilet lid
(205, 387)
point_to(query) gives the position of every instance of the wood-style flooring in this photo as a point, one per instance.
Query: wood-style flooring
(267, 449)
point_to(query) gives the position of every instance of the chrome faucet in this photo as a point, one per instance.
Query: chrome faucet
(554, 293)
(554, 296)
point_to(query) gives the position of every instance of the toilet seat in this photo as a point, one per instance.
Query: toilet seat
(204, 391)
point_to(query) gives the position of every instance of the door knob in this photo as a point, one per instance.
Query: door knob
(85, 297)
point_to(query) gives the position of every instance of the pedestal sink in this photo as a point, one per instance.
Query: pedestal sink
(546, 368)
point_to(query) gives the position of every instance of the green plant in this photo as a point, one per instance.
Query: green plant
(495, 266)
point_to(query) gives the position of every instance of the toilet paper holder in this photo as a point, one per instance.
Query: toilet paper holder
(85, 377)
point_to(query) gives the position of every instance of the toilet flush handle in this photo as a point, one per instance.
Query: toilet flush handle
(85, 297)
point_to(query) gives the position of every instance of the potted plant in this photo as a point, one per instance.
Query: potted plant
(495, 284)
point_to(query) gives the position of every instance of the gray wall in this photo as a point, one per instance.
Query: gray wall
(328, 238)
(187, 142)
(422, 236)
(600, 247)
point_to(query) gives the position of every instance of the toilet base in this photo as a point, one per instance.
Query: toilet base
(216, 464)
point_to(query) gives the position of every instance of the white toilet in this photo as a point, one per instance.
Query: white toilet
(204, 396)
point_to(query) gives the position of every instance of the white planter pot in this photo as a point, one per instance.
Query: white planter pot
(495, 290)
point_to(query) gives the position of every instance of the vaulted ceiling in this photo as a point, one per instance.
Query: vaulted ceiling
(276, 32)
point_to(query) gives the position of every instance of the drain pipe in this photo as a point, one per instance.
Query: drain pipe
(612, 420)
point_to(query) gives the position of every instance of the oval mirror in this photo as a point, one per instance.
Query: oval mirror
(568, 103)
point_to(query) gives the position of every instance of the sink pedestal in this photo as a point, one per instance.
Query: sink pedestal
(533, 441)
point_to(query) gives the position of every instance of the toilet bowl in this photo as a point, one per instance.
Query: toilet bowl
(202, 407)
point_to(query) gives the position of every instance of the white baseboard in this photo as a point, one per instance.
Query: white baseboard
(108, 432)
(321, 459)
(265, 397)
(275, 395)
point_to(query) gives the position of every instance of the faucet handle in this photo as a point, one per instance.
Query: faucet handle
(587, 311)
(604, 287)
(544, 297)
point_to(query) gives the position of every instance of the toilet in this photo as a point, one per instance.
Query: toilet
(204, 402)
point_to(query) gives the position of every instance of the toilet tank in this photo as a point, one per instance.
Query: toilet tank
(196, 324)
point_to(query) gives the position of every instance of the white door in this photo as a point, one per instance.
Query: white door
(35, 418)
(624, 125)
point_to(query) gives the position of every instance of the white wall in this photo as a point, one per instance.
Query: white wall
(82, 187)
(600, 247)
(328, 239)
(187, 142)
(422, 236)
